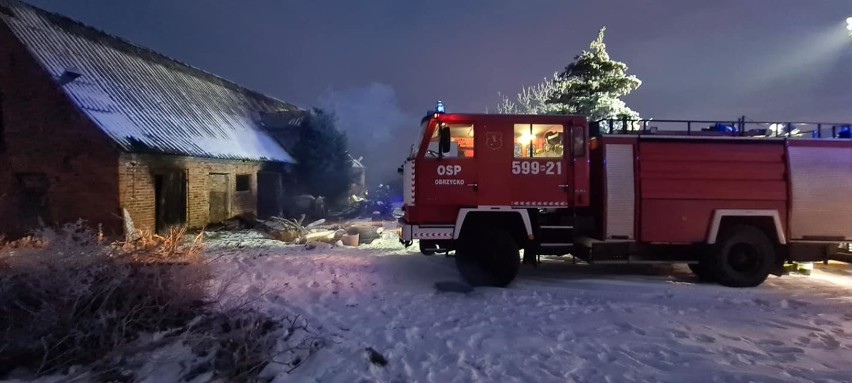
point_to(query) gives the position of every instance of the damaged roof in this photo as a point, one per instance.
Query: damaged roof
(143, 100)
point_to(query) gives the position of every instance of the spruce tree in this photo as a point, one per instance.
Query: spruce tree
(593, 86)
(323, 165)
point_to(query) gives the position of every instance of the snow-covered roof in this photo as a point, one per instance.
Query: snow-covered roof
(143, 100)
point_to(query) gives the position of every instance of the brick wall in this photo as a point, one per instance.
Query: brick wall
(137, 186)
(56, 163)
(52, 147)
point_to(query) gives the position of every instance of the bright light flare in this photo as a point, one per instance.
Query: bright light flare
(839, 280)
(525, 138)
(778, 130)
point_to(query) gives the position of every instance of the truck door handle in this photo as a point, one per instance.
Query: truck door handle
(474, 186)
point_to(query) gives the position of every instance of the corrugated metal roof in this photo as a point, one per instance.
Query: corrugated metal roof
(143, 100)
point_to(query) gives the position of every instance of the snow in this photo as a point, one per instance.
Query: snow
(557, 323)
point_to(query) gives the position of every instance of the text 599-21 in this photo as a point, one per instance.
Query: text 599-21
(535, 167)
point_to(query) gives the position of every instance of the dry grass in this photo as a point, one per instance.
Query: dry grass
(67, 299)
(30, 241)
(172, 248)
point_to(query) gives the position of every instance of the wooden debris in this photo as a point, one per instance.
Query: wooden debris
(350, 240)
(283, 229)
(315, 223)
(366, 233)
(293, 231)
(327, 236)
(130, 232)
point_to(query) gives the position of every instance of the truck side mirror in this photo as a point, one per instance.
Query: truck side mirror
(445, 139)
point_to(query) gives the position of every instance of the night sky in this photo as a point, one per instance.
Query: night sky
(382, 64)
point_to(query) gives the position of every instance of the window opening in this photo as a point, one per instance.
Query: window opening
(539, 140)
(243, 182)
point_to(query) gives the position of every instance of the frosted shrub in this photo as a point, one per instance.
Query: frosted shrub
(248, 346)
(72, 304)
(68, 299)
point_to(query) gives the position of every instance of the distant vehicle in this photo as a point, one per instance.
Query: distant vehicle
(735, 204)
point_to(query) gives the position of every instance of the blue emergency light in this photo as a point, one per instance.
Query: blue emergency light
(439, 107)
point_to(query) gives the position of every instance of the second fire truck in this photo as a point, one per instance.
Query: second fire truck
(733, 203)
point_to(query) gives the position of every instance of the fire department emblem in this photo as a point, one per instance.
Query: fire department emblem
(494, 140)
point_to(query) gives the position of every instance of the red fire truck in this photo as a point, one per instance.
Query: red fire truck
(735, 204)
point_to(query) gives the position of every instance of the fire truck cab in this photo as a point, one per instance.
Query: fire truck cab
(734, 205)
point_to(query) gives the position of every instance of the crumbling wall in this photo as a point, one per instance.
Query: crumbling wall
(137, 176)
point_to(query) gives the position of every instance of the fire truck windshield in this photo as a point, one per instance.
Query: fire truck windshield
(461, 141)
(415, 147)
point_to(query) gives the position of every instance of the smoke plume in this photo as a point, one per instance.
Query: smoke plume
(375, 127)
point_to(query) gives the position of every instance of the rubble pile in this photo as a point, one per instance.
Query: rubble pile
(351, 233)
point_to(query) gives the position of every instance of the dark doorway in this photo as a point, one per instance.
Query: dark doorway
(218, 184)
(2, 126)
(170, 192)
(33, 203)
(270, 195)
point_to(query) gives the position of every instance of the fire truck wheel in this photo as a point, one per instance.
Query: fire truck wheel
(744, 257)
(702, 271)
(488, 258)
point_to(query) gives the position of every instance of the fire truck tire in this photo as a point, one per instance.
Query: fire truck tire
(744, 257)
(702, 271)
(488, 258)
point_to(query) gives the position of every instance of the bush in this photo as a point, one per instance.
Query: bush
(248, 345)
(67, 299)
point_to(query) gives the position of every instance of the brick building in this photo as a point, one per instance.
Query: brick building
(91, 124)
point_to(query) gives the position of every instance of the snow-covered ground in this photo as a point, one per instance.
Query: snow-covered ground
(557, 323)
